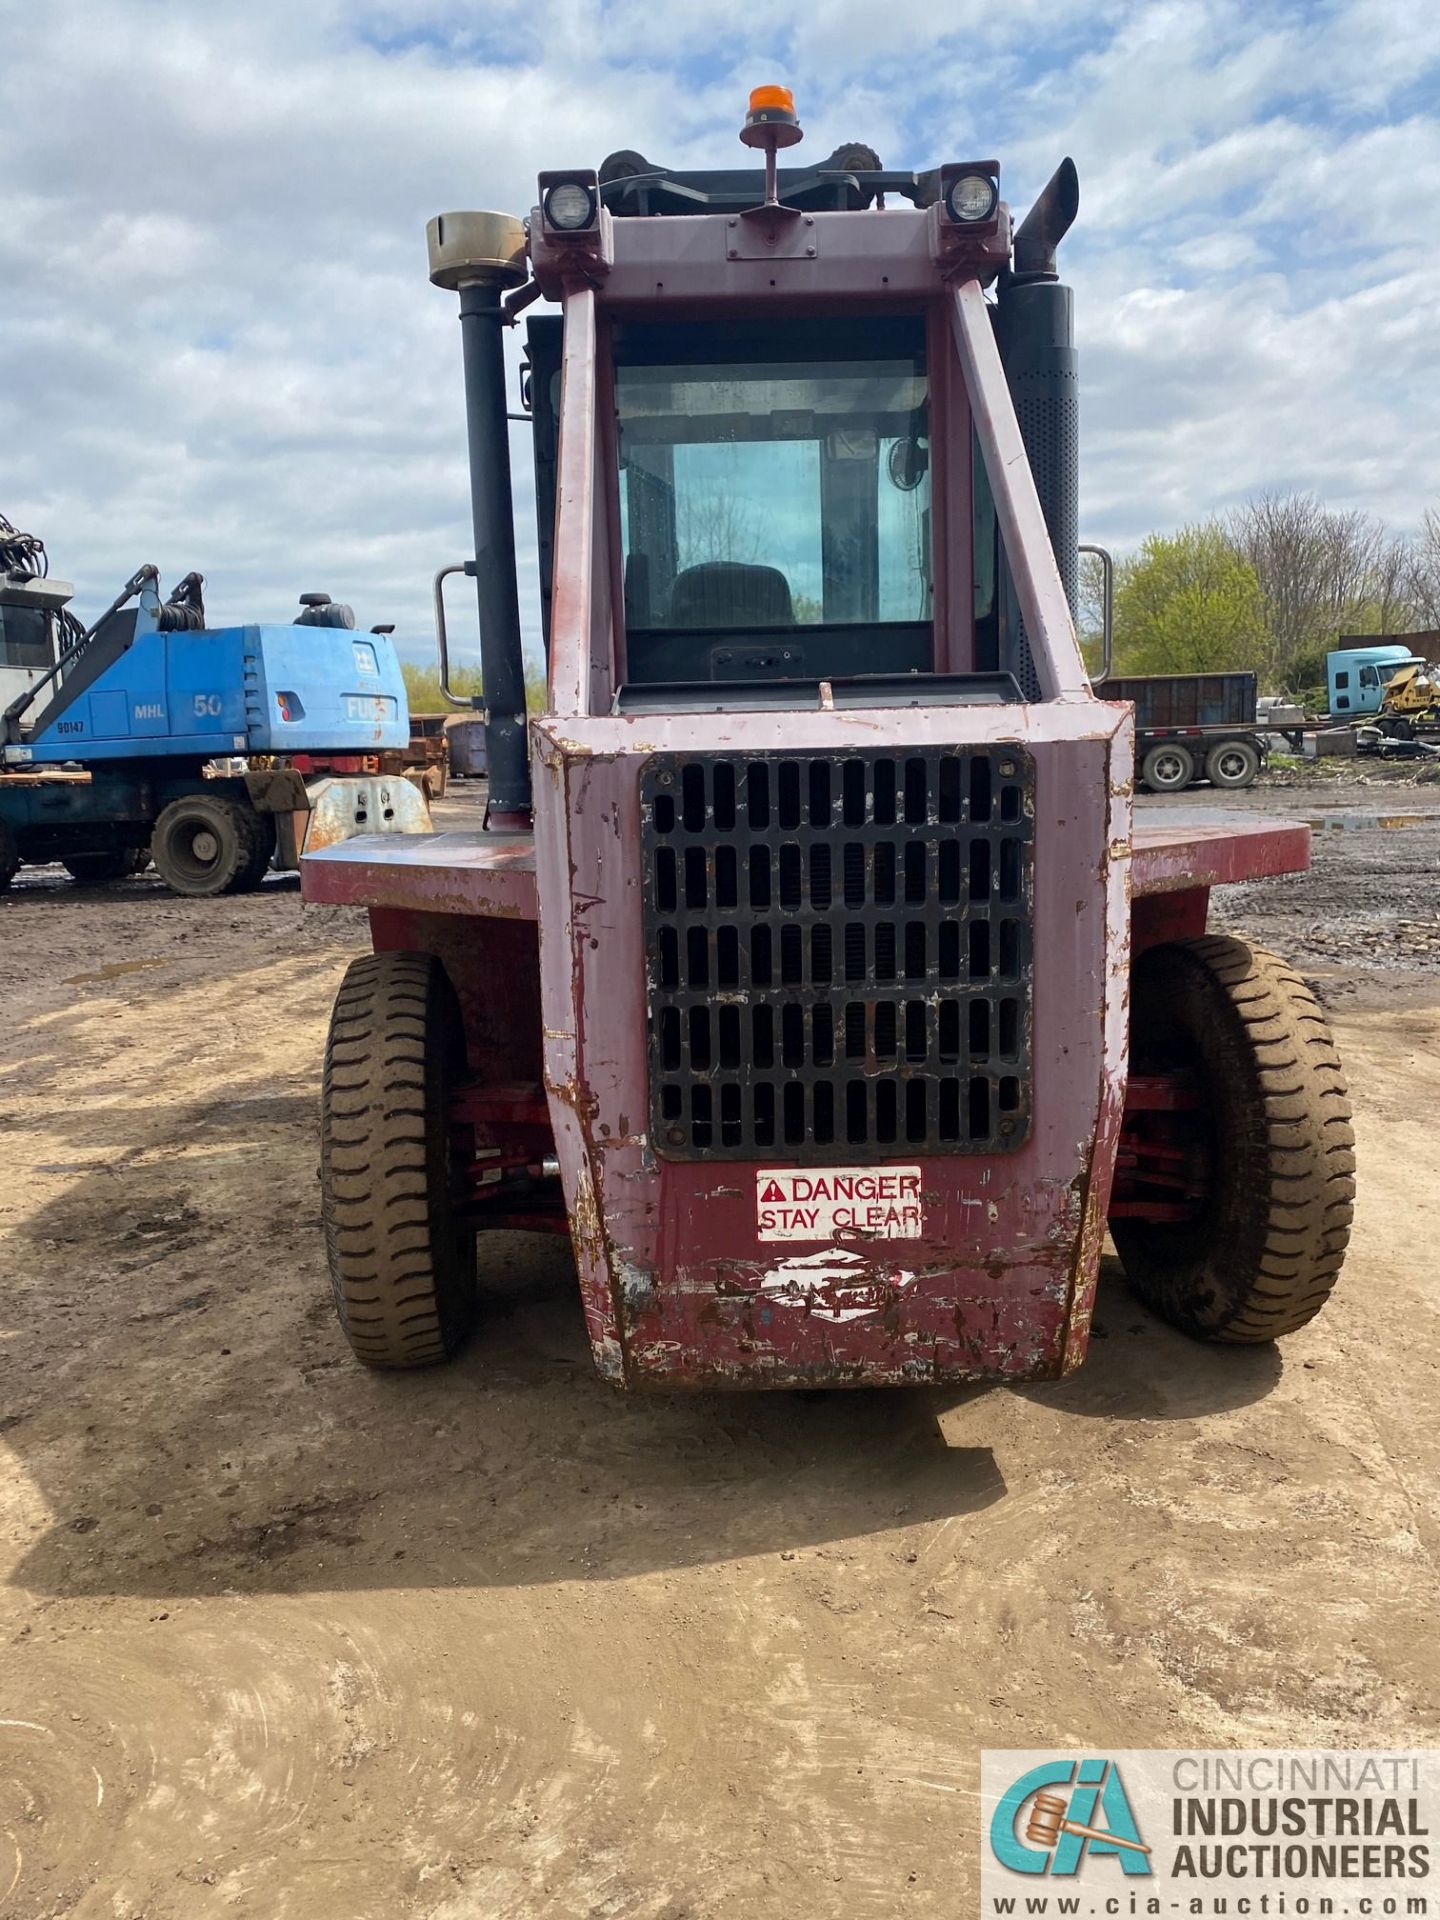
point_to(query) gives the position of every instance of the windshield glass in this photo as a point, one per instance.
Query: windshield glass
(774, 495)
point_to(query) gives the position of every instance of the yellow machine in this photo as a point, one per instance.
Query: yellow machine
(1412, 694)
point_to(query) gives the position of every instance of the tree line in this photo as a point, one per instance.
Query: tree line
(422, 686)
(1269, 587)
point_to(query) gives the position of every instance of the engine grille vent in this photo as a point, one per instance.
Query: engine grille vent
(838, 952)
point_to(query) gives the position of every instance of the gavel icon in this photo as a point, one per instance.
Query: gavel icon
(1047, 1822)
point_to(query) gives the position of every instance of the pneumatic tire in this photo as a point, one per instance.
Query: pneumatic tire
(1168, 768)
(1264, 1251)
(402, 1272)
(99, 869)
(1232, 763)
(262, 852)
(206, 844)
(9, 857)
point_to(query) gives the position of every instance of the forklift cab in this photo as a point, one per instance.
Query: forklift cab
(774, 500)
(790, 487)
(792, 974)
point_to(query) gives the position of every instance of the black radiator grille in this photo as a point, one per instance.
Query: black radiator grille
(838, 952)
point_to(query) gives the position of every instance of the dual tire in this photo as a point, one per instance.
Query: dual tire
(207, 844)
(87, 869)
(1170, 767)
(99, 869)
(202, 845)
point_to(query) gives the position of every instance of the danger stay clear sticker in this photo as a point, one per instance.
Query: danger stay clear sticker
(839, 1203)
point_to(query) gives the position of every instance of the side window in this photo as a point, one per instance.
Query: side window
(1342, 679)
(1369, 677)
(24, 638)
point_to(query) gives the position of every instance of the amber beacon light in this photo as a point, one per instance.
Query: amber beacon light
(771, 123)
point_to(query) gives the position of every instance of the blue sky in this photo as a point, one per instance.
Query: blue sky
(220, 350)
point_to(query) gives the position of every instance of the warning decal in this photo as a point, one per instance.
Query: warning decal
(839, 1203)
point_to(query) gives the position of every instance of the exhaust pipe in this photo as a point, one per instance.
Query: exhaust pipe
(479, 256)
(1039, 234)
(1035, 332)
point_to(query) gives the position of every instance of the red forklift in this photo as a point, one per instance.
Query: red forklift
(811, 972)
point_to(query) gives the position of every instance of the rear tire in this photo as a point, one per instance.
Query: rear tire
(1232, 763)
(9, 857)
(1168, 768)
(98, 869)
(262, 852)
(403, 1275)
(208, 844)
(1264, 1252)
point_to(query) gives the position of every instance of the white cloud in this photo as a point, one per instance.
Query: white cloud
(220, 349)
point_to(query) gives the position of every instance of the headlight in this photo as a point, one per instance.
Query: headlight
(971, 198)
(569, 206)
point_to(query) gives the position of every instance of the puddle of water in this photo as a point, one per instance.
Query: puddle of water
(113, 972)
(1351, 822)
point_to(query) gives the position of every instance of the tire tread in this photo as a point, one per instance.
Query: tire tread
(1287, 1164)
(402, 1277)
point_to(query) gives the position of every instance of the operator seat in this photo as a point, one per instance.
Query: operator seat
(730, 594)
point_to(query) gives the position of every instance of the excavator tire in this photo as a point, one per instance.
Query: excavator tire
(205, 844)
(262, 852)
(98, 869)
(403, 1275)
(1265, 1251)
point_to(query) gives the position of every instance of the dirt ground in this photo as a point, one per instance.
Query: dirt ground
(282, 1639)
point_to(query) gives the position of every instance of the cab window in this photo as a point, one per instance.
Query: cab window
(774, 509)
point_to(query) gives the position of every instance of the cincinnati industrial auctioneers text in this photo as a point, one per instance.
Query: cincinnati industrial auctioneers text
(1299, 1817)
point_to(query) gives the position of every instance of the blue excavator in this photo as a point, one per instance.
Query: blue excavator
(151, 736)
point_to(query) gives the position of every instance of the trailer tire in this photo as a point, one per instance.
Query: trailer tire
(1168, 768)
(206, 844)
(1232, 763)
(9, 857)
(99, 869)
(1264, 1252)
(402, 1273)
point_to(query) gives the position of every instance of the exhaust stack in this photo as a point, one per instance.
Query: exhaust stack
(1035, 331)
(478, 256)
(1039, 234)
